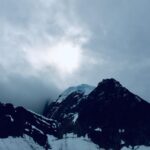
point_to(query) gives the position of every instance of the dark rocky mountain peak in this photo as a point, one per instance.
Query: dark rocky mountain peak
(109, 86)
(110, 115)
(110, 82)
(110, 90)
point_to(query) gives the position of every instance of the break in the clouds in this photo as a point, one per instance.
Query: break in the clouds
(48, 45)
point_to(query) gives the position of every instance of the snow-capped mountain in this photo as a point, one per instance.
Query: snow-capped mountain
(73, 95)
(82, 89)
(110, 115)
(67, 104)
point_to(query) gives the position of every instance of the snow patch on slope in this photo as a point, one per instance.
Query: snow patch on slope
(75, 117)
(19, 143)
(137, 148)
(83, 89)
(71, 142)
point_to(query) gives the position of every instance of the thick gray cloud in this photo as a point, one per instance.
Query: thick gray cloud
(107, 38)
(120, 41)
(30, 92)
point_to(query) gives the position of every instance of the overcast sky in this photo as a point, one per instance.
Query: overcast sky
(48, 45)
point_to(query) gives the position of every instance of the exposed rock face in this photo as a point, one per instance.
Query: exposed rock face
(19, 121)
(110, 115)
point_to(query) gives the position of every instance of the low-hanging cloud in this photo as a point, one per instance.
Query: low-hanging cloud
(30, 32)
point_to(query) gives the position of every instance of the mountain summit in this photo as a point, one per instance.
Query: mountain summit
(111, 115)
(84, 89)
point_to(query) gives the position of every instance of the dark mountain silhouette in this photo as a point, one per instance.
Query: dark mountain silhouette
(17, 121)
(110, 115)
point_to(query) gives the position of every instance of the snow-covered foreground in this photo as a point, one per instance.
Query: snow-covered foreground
(68, 143)
(19, 143)
(137, 148)
(72, 143)
(27, 143)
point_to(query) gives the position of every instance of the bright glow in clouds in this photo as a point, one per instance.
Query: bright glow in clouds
(55, 43)
(64, 56)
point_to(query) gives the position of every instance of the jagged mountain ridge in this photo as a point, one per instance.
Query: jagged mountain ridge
(110, 115)
(26, 130)
(17, 122)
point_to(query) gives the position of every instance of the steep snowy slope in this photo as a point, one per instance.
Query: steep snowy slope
(82, 89)
(68, 100)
